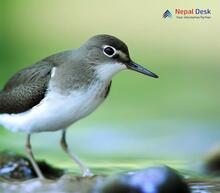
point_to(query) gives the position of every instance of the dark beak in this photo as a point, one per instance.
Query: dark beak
(136, 67)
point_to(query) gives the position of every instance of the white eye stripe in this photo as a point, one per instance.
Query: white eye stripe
(110, 47)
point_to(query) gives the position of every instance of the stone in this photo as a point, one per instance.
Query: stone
(18, 168)
(212, 163)
(160, 179)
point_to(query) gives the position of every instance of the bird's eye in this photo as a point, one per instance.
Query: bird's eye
(109, 51)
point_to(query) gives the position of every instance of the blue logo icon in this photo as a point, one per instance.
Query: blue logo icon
(167, 14)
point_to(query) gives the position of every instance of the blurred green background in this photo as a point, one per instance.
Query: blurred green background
(180, 111)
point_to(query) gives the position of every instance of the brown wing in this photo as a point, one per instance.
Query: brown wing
(26, 88)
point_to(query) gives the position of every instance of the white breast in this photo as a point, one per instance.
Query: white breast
(56, 111)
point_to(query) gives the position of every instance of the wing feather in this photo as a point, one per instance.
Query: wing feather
(26, 88)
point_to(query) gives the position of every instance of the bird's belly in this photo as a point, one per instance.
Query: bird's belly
(56, 111)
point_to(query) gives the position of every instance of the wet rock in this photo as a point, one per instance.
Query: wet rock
(212, 163)
(160, 180)
(19, 168)
(151, 180)
(118, 184)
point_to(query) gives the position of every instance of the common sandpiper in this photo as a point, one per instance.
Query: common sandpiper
(62, 89)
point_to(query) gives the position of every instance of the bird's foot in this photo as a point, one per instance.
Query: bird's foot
(87, 173)
(42, 178)
(40, 175)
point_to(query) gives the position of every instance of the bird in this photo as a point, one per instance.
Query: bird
(63, 88)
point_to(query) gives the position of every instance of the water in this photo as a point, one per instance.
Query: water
(118, 148)
(205, 187)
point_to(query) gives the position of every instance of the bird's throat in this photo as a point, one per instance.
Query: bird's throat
(108, 70)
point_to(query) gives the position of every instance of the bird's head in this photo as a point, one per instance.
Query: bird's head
(109, 55)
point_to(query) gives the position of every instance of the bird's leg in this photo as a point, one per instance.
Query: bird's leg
(31, 157)
(86, 171)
